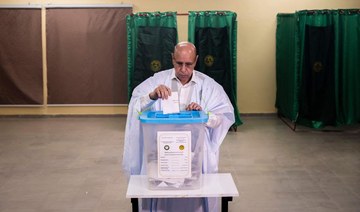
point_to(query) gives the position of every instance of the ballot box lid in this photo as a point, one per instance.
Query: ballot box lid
(184, 117)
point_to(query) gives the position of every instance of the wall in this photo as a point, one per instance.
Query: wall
(256, 45)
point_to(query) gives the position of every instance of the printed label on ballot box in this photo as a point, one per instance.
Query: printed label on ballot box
(174, 154)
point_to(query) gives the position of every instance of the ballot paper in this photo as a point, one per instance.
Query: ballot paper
(171, 104)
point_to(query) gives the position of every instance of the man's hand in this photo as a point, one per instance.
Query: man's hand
(193, 106)
(162, 92)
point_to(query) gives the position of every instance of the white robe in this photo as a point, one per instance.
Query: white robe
(212, 98)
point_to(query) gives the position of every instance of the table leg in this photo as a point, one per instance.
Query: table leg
(135, 204)
(224, 203)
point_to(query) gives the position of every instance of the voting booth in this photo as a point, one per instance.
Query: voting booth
(173, 149)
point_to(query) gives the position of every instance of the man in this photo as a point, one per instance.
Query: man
(196, 92)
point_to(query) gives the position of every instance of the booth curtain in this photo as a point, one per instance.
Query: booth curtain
(286, 70)
(86, 55)
(214, 35)
(151, 39)
(21, 71)
(317, 67)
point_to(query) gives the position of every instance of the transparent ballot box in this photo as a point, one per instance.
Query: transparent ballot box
(173, 148)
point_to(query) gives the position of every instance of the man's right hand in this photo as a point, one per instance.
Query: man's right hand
(162, 92)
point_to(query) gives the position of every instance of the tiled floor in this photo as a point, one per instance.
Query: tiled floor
(73, 164)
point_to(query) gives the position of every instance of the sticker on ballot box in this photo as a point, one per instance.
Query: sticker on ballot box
(174, 154)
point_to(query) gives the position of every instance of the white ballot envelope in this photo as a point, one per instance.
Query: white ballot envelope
(171, 105)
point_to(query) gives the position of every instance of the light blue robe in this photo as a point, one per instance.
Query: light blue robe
(212, 98)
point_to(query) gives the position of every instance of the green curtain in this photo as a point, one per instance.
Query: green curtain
(151, 39)
(214, 35)
(317, 91)
(348, 54)
(286, 70)
(327, 61)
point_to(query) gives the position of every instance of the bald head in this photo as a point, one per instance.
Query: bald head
(185, 44)
(185, 48)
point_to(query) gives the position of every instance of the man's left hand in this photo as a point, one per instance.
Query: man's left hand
(193, 106)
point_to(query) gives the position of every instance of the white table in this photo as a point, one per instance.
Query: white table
(213, 185)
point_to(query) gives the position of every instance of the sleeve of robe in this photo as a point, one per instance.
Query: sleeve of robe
(215, 100)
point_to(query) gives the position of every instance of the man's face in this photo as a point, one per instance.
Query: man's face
(184, 61)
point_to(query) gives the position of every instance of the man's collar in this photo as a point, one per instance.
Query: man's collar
(194, 77)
